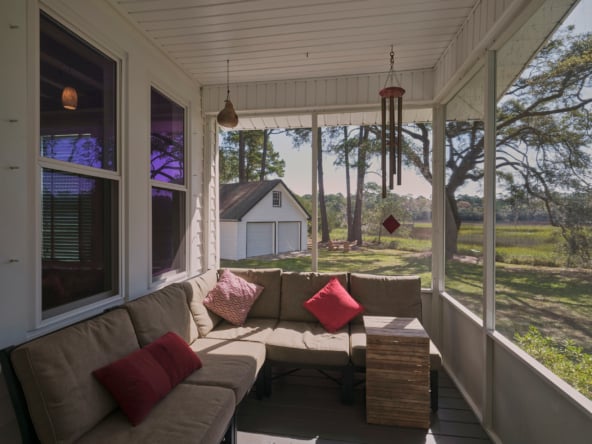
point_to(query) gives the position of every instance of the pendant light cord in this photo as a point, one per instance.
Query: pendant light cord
(227, 79)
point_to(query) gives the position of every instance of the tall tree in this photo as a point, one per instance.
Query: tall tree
(543, 136)
(241, 154)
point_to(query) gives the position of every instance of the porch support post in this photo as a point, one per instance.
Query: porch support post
(438, 219)
(315, 193)
(489, 233)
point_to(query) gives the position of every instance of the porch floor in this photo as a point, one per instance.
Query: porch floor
(304, 408)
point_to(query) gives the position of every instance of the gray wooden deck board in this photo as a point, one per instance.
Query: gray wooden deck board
(304, 408)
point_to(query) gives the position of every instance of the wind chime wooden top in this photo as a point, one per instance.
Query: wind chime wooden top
(392, 156)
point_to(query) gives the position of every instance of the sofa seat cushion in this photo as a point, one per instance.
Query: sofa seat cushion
(162, 311)
(188, 414)
(308, 343)
(254, 329)
(358, 348)
(298, 287)
(267, 304)
(386, 295)
(55, 371)
(197, 288)
(230, 364)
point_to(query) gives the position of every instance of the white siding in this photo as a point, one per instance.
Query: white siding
(142, 66)
(229, 246)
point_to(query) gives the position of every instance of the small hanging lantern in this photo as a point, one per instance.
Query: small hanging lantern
(69, 98)
(227, 117)
(392, 156)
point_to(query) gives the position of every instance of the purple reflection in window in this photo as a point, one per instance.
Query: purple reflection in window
(167, 139)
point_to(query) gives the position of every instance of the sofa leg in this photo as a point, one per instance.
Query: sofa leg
(347, 385)
(434, 390)
(260, 384)
(267, 378)
(230, 435)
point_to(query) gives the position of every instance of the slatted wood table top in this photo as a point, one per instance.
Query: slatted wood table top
(397, 372)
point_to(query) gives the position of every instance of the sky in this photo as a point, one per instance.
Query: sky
(299, 163)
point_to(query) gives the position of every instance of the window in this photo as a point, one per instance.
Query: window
(79, 171)
(167, 172)
(464, 135)
(277, 199)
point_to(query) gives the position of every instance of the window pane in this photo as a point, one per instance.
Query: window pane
(79, 238)
(168, 231)
(464, 195)
(544, 205)
(167, 139)
(85, 135)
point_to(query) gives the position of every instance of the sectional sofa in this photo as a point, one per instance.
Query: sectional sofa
(58, 398)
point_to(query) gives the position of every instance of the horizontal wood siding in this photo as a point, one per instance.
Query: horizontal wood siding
(318, 94)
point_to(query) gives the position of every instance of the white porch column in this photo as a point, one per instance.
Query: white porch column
(489, 234)
(315, 194)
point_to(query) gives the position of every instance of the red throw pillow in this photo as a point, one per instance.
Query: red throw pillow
(141, 379)
(333, 306)
(137, 382)
(175, 356)
(232, 297)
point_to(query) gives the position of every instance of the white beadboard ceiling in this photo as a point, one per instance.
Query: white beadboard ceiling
(267, 40)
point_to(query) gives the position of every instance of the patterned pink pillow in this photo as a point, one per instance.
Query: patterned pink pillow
(232, 297)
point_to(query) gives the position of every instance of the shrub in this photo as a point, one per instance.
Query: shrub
(564, 358)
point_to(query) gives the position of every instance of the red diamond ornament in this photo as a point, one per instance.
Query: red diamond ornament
(391, 224)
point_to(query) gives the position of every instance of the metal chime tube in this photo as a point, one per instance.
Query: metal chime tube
(399, 138)
(392, 153)
(383, 145)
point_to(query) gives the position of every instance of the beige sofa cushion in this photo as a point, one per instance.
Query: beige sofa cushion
(187, 415)
(358, 348)
(308, 343)
(197, 289)
(230, 364)
(386, 295)
(267, 304)
(164, 310)
(298, 288)
(64, 399)
(255, 329)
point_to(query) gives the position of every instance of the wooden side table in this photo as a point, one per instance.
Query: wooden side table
(397, 372)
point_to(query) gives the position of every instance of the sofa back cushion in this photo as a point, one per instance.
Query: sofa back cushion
(64, 399)
(387, 295)
(158, 313)
(197, 288)
(298, 287)
(267, 304)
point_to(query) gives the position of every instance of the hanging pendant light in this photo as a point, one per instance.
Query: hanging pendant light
(392, 156)
(227, 117)
(69, 98)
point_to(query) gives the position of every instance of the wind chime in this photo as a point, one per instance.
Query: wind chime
(393, 155)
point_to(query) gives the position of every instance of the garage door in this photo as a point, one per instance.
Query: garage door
(259, 238)
(288, 236)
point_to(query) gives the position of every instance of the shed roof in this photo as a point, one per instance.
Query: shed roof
(237, 199)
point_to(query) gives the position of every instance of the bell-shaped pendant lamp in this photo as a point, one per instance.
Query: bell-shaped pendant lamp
(227, 117)
(69, 98)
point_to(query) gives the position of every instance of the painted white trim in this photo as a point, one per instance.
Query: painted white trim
(315, 194)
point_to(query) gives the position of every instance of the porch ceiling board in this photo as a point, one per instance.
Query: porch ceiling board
(272, 40)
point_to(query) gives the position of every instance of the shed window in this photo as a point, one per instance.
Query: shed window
(277, 199)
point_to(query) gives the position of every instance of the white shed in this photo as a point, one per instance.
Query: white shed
(259, 218)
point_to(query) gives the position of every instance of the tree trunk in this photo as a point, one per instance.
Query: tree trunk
(322, 205)
(348, 203)
(242, 170)
(452, 224)
(357, 223)
(264, 155)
